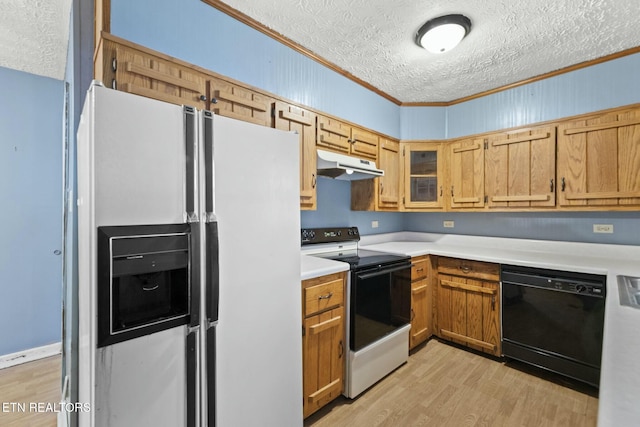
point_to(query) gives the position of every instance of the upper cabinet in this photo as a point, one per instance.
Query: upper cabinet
(466, 173)
(303, 122)
(423, 175)
(135, 71)
(388, 185)
(382, 193)
(599, 160)
(335, 135)
(520, 169)
(238, 102)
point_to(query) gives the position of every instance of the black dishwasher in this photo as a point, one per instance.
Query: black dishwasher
(554, 320)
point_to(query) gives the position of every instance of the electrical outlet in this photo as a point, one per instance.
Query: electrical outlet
(374, 224)
(603, 228)
(448, 224)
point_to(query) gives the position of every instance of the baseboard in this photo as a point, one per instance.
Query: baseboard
(30, 355)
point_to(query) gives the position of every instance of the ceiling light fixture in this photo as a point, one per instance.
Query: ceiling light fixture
(443, 33)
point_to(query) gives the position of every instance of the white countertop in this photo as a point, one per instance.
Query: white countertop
(620, 370)
(315, 267)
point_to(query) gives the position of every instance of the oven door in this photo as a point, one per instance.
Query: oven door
(380, 302)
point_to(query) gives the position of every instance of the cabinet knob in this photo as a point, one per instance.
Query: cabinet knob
(214, 100)
(203, 98)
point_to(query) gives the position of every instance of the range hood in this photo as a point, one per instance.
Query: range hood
(339, 166)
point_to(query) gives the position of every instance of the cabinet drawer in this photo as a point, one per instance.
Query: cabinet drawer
(467, 268)
(419, 268)
(321, 297)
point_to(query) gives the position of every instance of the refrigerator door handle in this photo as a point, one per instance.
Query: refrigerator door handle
(209, 187)
(211, 377)
(196, 276)
(213, 272)
(191, 353)
(190, 138)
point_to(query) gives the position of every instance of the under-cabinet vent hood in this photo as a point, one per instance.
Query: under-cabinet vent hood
(339, 166)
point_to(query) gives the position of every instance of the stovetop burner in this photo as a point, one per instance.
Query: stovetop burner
(341, 244)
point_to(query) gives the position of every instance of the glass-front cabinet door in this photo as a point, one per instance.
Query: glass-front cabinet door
(423, 186)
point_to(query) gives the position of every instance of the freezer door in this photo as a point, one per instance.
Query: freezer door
(137, 162)
(141, 382)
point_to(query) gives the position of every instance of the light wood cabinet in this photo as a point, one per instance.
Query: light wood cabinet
(338, 136)
(139, 72)
(421, 300)
(466, 171)
(323, 346)
(238, 102)
(599, 160)
(468, 304)
(520, 169)
(382, 193)
(290, 117)
(423, 166)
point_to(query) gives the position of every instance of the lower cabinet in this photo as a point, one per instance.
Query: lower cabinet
(323, 346)
(421, 292)
(468, 304)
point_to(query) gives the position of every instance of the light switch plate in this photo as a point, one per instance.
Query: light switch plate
(374, 224)
(448, 224)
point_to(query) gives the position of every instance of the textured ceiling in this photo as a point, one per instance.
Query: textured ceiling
(510, 40)
(34, 36)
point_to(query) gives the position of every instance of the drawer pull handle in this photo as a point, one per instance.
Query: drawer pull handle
(327, 296)
(419, 269)
(465, 268)
(340, 349)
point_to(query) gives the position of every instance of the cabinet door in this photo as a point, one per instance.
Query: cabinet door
(420, 311)
(237, 102)
(303, 122)
(599, 160)
(520, 169)
(423, 175)
(146, 75)
(467, 174)
(364, 144)
(469, 312)
(389, 184)
(333, 135)
(322, 352)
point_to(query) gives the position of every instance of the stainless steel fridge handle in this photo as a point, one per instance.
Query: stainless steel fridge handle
(189, 114)
(213, 271)
(209, 187)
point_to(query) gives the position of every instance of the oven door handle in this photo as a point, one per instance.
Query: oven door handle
(367, 275)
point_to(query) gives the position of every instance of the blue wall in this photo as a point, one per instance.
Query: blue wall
(607, 85)
(31, 119)
(334, 202)
(564, 226)
(196, 32)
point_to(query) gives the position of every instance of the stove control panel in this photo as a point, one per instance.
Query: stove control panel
(329, 235)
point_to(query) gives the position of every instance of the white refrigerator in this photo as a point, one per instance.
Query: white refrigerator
(235, 187)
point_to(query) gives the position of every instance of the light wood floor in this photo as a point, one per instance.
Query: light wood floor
(442, 385)
(33, 382)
